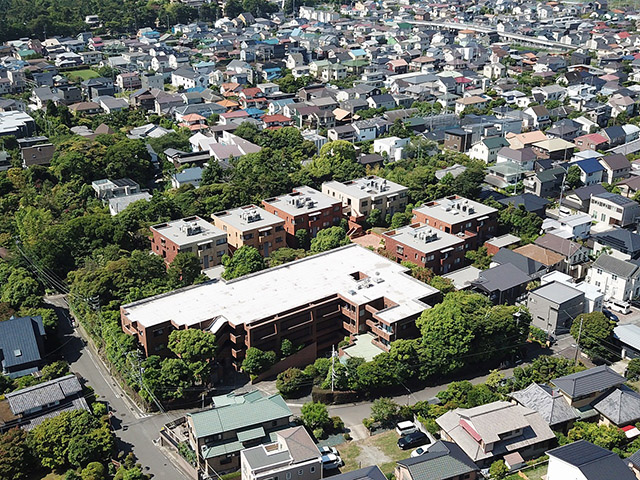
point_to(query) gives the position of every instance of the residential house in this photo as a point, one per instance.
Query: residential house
(538, 117)
(616, 167)
(40, 154)
(473, 101)
(580, 198)
(441, 461)
(391, 148)
(550, 404)
(528, 266)
(233, 424)
(252, 226)
(583, 388)
(591, 141)
(554, 306)
(613, 209)
(473, 221)
(487, 149)
(457, 139)
(619, 243)
(382, 101)
(489, 432)
(530, 202)
(106, 188)
(502, 284)
(546, 183)
(524, 157)
(305, 208)
(188, 176)
(617, 279)
(293, 452)
(575, 256)
(21, 345)
(591, 170)
(28, 407)
(118, 204)
(192, 235)
(615, 134)
(582, 460)
(365, 473)
(554, 148)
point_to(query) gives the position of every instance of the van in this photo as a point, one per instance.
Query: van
(618, 306)
(405, 428)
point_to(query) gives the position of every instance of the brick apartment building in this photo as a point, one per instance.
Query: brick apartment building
(304, 208)
(314, 301)
(362, 195)
(427, 247)
(192, 234)
(458, 215)
(253, 226)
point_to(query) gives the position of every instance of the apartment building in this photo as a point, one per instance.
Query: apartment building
(314, 301)
(191, 234)
(458, 215)
(427, 247)
(613, 209)
(252, 226)
(360, 196)
(304, 208)
(292, 454)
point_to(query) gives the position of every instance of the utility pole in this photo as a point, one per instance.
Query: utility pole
(561, 193)
(333, 361)
(578, 342)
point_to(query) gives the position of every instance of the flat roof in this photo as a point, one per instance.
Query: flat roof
(302, 200)
(455, 209)
(424, 238)
(366, 187)
(188, 231)
(464, 277)
(248, 218)
(278, 289)
(557, 292)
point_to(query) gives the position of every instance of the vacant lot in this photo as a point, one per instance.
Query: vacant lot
(82, 74)
(378, 450)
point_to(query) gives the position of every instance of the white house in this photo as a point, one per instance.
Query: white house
(582, 460)
(186, 78)
(617, 279)
(613, 209)
(487, 149)
(392, 146)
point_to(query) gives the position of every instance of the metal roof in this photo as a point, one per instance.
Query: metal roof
(597, 379)
(595, 463)
(43, 394)
(19, 341)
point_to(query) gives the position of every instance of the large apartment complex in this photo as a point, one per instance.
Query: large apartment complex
(312, 301)
(192, 234)
(304, 208)
(252, 226)
(473, 221)
(362, 195)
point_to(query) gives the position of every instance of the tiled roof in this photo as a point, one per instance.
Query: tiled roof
(589, 381)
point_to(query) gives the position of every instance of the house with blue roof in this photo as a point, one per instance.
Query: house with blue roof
(254, 112)
(21, 345)
(591, 171)
(188, 176)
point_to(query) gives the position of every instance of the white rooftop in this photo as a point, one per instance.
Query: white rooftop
(248, 218)
(303, 200)
(366, 187)
(254, 297)
(455, 209)
(188, 231)
(425, 239)
(464, 277)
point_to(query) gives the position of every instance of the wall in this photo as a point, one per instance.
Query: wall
(304, 357)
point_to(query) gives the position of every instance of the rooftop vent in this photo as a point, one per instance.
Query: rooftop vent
(251, 216)
(191, 229)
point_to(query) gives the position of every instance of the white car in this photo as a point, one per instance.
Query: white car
(328, 450)
(405, 428)
(420, 451)
(331, 461)
(618, 306)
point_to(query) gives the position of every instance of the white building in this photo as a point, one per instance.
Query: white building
(617, 279)
(582, 460)
(393, 147)
(570, 227)
(613, 209)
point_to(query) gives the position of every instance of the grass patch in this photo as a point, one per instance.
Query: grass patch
(82, 74)
(536, 473)
(349, 453)
(387, 442)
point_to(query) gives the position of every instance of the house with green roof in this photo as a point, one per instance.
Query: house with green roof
(235, 422)
(441, 461)
(487, 149)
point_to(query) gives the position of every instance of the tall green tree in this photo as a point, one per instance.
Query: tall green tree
(197, 348)
(244, 261)
(328, 239)
(16, 461)
(596, 335)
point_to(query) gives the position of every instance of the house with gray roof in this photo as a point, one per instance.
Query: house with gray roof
(442, 461)
(21, 345)
(28, 407)
(620, 407)
(365, 473)
(292, 453)
(620, 243)
(617, 279)
(235, 423)
(528, 266)
(582, 460)
(502, 284)
(550, 404)
(554, 306)
(583, 388)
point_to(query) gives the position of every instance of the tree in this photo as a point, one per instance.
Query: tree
(400, 220)
(290, 382)
(480, 258)
(498, 470)
(185, 269)
(336, 161)
(518, 221)
(375, 218)
(15, 458)
(94, 471)
(384, 410)
(596, 336)
(244, 261)
(197, 348)
(213, 173)
(175, 377)
(303, 239)
(256, 361)
(314, 415)
(399, 129)
(328, 239)
(286, 347)
(21, 290)
(605, 436)
(443, 284)
(573, 177)
(285, 255)
(633, 369)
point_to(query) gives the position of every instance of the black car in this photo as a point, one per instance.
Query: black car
(610, 315)
(414, 439)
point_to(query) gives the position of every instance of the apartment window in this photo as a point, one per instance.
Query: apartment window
(279, 240)
(599, 270)
(365, 203)
(300, 472)
(221, 241)
(288, 476)
(158, 332)
(279, 228)
(312, 469)
(224, 227)
(247, 236)
(220, 253)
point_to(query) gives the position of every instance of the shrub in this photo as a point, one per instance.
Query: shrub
(498, 470)
(368, 423)
(256, 361)
(384, 410)
(315, 415)
(347, 437)
(290, 382)
(318, 433)
(99, 409)
(633, 369)
(338, 424)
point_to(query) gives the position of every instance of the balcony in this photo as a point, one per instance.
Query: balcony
(236, 338)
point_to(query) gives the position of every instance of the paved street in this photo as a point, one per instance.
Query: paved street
(135, 430)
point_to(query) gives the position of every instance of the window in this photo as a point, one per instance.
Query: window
(279, 240)
(288, 476)
(247, 236)
(312, 469)
(221, 241)
(300, 472)
(599, 271)
(220, 253)
(279, 228)
(158, 332)
(614, 277)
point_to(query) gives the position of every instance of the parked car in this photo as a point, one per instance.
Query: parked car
(405, 428)
(610, 315)
(618, 306)
(328, 450)
(412, 440)
(331, 461)
(419, 451)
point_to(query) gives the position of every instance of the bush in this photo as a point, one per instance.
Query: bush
(318, 433)
(338, 424)
(315, 415)
(347, 437)
(99, 409)
(633, 369)
(290, 382)
(368, 423)
(256, 361)
(384, 410)
(498, 470)
(537, 335)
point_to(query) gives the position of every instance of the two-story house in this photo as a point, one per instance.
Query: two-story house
(617, 279)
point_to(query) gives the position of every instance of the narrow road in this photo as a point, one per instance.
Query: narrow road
(135, 430)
